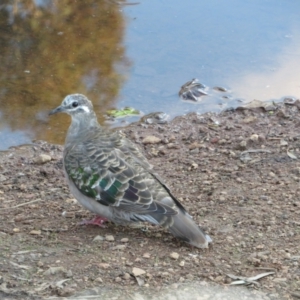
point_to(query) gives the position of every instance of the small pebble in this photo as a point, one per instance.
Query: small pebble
(174, 255)
(151, 139)
(40, 264)
(104, 265)
(35, 232)
(98, 238)
(126, 276)
(42, 159)
(181, 264)
(138, 271)
(146, 255)
(254, 137)
(109, 238)
(54, 270)
(119, 247)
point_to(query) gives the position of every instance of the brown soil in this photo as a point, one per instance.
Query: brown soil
(247, 201)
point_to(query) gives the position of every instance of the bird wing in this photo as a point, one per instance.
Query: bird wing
(106, 171)
(158, 186)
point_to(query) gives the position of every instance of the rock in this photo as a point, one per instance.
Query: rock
(104, 266)
(194, 145)
(151, 139)
(222, 199)
(140, 281)
(68, 214)
(2, 178)
(65, 292)
(35, 232)
(243, 145)
(174, 255)
(118, 247)
(126, 276)
(189, 276)
(254, 137)
(194, 166)
(214, 140)
(146, 255)
(20, 258)
(71, 200)
(282, 114)
(250, 119)
(165, 274)
(172, 138)
(172, 146)
(42, 159)
(118, 279)
(278, 279)
(195, 151)
(137, 271)
(181, 264)
(40, 264)
(16, 230)
(267, 106)
(99, 279)
(98, 238)
(54, 270)
(124, 240)
(109, 238)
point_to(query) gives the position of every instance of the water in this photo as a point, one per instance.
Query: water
(139, 54)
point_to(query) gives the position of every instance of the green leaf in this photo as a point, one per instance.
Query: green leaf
(121, 113)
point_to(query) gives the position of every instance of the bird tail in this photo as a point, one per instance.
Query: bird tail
(186, 229)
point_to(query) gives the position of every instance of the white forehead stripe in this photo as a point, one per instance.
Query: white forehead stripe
(85, 108)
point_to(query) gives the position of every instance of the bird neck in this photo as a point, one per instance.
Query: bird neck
(81, 125)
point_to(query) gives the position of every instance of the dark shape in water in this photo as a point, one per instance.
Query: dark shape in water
(220, 89)
(192, 90)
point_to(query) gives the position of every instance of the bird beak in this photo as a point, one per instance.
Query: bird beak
(56, 110)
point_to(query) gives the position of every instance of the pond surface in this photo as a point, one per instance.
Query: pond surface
(139, 54)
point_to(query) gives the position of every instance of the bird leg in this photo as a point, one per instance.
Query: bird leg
(98, 221)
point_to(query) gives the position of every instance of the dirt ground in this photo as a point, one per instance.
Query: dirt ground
(237, 173)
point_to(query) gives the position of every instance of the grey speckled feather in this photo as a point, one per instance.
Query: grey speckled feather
(110, 176)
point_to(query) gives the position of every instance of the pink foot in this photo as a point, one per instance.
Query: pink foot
(98, 221)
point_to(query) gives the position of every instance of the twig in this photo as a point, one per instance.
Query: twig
(22, 204)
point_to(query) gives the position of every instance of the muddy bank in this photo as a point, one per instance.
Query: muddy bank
(237, 173)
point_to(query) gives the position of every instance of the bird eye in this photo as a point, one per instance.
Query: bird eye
(75, 104)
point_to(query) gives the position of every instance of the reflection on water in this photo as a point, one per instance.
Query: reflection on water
(49, 49)
(232, 44)
(52, 48)
(282, 80)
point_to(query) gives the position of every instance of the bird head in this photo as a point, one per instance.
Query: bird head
(74, 105)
